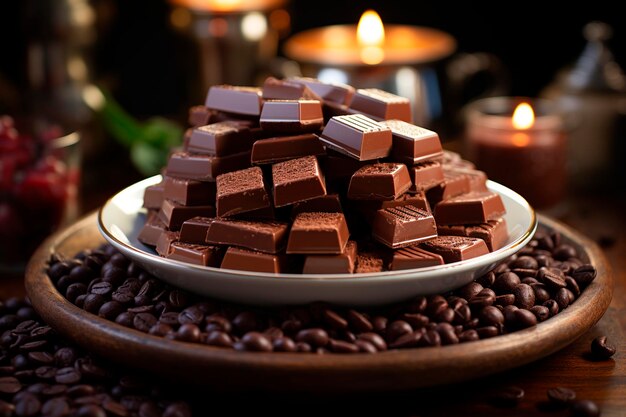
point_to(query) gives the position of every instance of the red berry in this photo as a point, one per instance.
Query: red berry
(8, 166)
(10, 221)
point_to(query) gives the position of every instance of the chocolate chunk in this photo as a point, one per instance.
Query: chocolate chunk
(283, 148)
(471, 208)
(151, 230)
(189, 192)
(164, 243)
(235, 99)
(220, 139)
(382, 181)
(174, 214)
(456, 248)
(318, 233)
(477, 178)
(381, 105)
(367, 262)
(194, 230)
(332, 264)
(241, 191)
(414, 257)
(262, 236)
(199, 116)
(425, 176)
(332, 92)
(454, 184)
(297, 180)
(340, 168)
(204, 167)
(370, 207)
(357, 136)
(413, 144)
(401, 226)
(195, 254)
(292, 116)
(277, 89)
(248, 260)
(329, 203)
(153, 196)
(494, 232)
(451, 159)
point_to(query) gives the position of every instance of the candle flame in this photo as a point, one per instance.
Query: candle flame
(523, 116)
(370, 35)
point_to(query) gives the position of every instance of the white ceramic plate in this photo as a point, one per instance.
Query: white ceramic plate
(120, 219)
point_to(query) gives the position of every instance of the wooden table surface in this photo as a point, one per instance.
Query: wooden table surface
(599, 217)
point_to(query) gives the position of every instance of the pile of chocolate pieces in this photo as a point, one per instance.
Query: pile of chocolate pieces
(303, 176)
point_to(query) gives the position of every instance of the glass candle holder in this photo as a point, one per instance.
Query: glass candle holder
(522, 147)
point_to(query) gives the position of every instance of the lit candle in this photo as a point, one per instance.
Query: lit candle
(520, 143)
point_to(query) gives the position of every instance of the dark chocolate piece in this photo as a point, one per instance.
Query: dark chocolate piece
(248, 260)
(381, 181)
(494, 232)
(164, 243)
(189, 192)
(456, 248)
(357, 136)
(292, 116)
(235, 99)
(262, 236)
(454, 184)
(381, 105)
(477, 178)
(329, 203)
(174, 214)
(343, 263)
(204, 167)
(401, 226)
(241, 191)
(195, 254)
(425, 176)
(153, 196)
(413, 257)
(413, 144)
(283, 148)
(195, 229)
(332, 92)
(275, 89)
(297, 180)
(470, 208)
(368, 262)
(370, 207)
(220, 139)
(151, 229)
(200, 116)
(339, 167)
(318, 233)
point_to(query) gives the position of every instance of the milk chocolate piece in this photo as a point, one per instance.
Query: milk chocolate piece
(370, 207)
(329, 203)
(470, 208)
(248, 260)
(401, 226)
(235, 99)
(297, 180)
(220, 139)
(455, 160)
(456, 248)
(164, 243)
(339, 167)
(413, 257)
(292, 116)
(276, 89)
(413, 144)
(262, 236)
(200, 116)
(318, 233)
(283, 148)
(454, 184)
(343, 263)
(195, 254)
(357, 136)
(189, 192)
(204, 167)
(332, 92)
(241, 191)
(381, 181)
(194, 230)
(174, 214)
(494, 232)
(153, 196)
(151, 229)
(477, 178)
(368, 262)
(381, 105)
(425, 176)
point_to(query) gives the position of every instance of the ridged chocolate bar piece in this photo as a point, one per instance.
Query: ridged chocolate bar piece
(220, 139)
(381, 105)
(283, 148)
(343, 263)
(195, 254)
(495, 232)
(278, 89)
(246, 101)
(241, 191)
(401, 226)
(357, 136)
(262, 236)
(335, 92)
(425, 176)
(248, 260)
(413, 144)
(297, 180)
(292, 116)
(456, 248)
(470, 208)
(370, 207)
(382, 181)
(204, 167)
(318, 233)
(195, 229)
(189, 192)
(413, 257)
(174, 214)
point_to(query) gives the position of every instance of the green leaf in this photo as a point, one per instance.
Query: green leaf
(148, 159)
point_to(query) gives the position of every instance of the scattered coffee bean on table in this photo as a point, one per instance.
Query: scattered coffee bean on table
(507, 396)
(584, 408)
(601, 348)
(561, 396)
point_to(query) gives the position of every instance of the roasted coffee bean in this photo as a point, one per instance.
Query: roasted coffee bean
(110, 310)
(9, 385)
(430, 338)
(125, 319)
(505, 300)
(572, 285)
(506, 282)
(359, 321)
(487, 331)
(468, 336)
(584, 275)
(161, 329)
(91, 410)
(552, 279)
(541, 293)
(584, 408)
(447, 334)
(524, 296)
(188, 332)
(397, 329)
(562, 298)
(563, 252)
(380, 324)
(67, 376)
(339, 346)
(144, 321)
(257, 342)
(491, 316)
(315, 337)
(470, 290)
(217, 322)
(55, 407)
(508, 396)
(523, 318)
(417, 305)
(93, 302)
(601, 348)
(487, 280)
(541, 312)
(508, 311)
(407, 340)
(561, 396)
(284, 344)
(415, 320)
(525, 262)
(365, 347)
(177, 409)
(191, 315)
(375, 339)
(462, 314)
(484, 298)
(101, 288)
(219, 338)
(334, 320)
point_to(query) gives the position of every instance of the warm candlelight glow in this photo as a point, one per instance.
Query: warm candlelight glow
(523, 116)
(228, 6)
(370, 35)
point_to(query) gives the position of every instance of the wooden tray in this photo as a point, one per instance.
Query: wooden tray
(394, 370)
